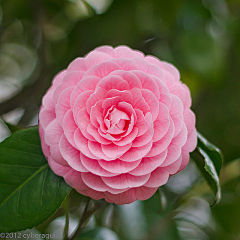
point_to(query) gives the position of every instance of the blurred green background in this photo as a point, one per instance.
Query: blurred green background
(38, 38)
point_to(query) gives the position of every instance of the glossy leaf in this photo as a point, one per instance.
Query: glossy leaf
(29, 191)
(213, 152)
(209, 161)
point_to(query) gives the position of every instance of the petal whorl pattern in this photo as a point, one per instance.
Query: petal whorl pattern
(117, 124)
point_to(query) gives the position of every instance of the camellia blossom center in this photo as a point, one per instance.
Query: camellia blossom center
(116, 121)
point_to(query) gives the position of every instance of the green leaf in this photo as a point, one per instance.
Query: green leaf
(209, 161)
(213, 152)
(29, 191)
(98, 233)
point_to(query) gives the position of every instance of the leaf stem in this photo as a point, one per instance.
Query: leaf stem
(66, 228)
(85, 217)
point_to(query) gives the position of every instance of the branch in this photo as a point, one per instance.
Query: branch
(66, 228)
(40, 86)
(21, 98)
(85, 217)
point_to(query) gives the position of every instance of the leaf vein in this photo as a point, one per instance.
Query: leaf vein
(28, 179)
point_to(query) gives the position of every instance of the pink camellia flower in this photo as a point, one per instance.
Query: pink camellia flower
(117, 124)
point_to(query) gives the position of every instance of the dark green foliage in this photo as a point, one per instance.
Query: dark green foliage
(30, 191)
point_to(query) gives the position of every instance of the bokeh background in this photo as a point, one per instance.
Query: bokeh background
(38, 38)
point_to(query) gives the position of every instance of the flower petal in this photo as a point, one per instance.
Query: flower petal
(96, 149)
(99, 94)
(95, 182)
(174, 148)
(102, 70)
(53, 133)
(70, 79)
(189, 120)
(113, 151)
(132, 80)
(176, 113)
(173, 167)
(165, 95)
(63, 104)
(58, 78)
(158, 178)
(74, 179)
(69, 127)
(125, 64)
(131, 195)
(188, 100)
(57, 168)
(127, 139)
(95, 134)
(152, 102)
(83, 120)
(177, 89)
(147, 136)
(126, 52)
(128, 109)
(148, 164)
(125, 180)
(106, 49)
(113, 82)
(172, 70)
(94, 58)
(119, 166)
(149, 69)
(93, 194)
(71, 155)
(82, 144)
(161, 124)
(96, 114)
(147, 82)
(185, 160)
(86, 84)
(136, 153)
(56, 155)
(138, 101)
(77, 65)
(110, 102)
(163, 143)
(141, 123)
(46, 116)
(81, 102)
(191, 143)
(125, 96)
(48, 98)
(92, 165)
